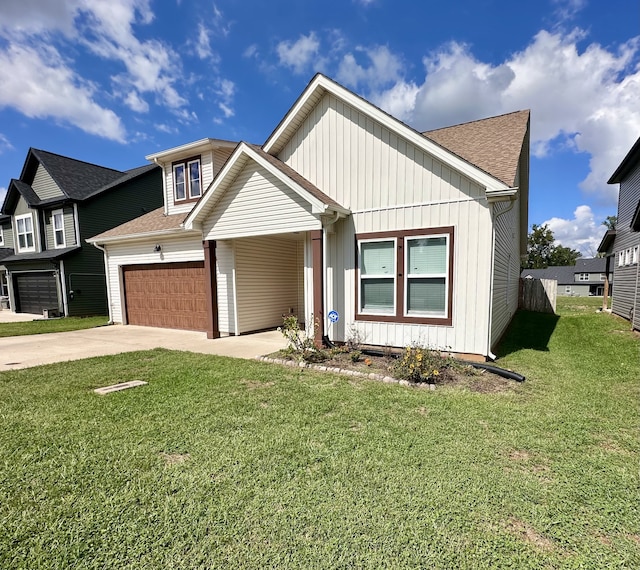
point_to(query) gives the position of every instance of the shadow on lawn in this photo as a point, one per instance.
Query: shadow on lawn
(528, 330)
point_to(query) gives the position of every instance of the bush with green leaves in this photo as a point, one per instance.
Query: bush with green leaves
(299, 343)
(420, 364)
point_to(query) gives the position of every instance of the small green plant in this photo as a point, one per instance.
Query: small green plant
(355, 355)
(420, 364)
(299, 344)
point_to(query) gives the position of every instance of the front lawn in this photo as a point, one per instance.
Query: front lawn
(221, 463)
(42, 326)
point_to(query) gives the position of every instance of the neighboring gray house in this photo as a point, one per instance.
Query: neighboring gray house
(622, 245)
(49, 212)
(6, 249)
(584, 279)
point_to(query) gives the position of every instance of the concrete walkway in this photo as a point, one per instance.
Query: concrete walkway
(26, 351)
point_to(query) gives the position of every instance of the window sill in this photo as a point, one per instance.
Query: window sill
(404, 320)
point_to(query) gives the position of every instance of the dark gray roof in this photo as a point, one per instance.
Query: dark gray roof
(5, 252)
(26, 191)
(607, 242)
(77, 179)
(565, 275)
(628, 162)
(49, 254)
(125, 177)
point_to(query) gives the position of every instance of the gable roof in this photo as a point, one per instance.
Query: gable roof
(319, 201)
(76, 179)
(628, 162)
(152, 223)
(607, 241)
(493, 144)
(321, 84)
(565, 274)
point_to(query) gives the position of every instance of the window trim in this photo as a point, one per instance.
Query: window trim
(392, 276)
(32, 232)
(634, 254)
(583, 277)
(567, 289)
(400, 291)
(54, 213)
(185, 163)
(1, 236)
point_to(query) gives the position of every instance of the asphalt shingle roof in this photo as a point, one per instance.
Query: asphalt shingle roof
(565, 275)
(154, 221)
(492, 144)
(41, 255)
(5, 252)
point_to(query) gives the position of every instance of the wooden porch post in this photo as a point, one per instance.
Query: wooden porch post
(211, 288)
(318, 286)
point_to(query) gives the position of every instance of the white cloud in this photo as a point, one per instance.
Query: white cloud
(225, 90)
(300, 54)
(568, 9)
(136, 103)
(364, 3)
(203, 47)
(585, 100)
(5, 144)
(221, 27)
(582, 232)
(384, 67)
(40, 85)
(3, 193)
(251, 51)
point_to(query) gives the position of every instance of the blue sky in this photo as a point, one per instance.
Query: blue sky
(110, 81)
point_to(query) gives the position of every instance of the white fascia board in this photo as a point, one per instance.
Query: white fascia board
(192, 147)
(502, 195)
(193, 221)
(140, 236)
(393, 124)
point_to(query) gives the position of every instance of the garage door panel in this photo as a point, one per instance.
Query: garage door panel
(169, 296)
(36, 291)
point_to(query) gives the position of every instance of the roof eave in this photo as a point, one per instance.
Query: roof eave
(137, 237)
(632, 157)
(163, 155)
(320, 82)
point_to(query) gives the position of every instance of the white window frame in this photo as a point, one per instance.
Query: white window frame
(567, 289)
(392, 312)
(583, 277)
(186, 166)
(60, 229)
(603, 277)
(634, 254)
(196, 161)
(627, 256)
(620, 258)
(25, 233)
(408, 276)
(1, 236)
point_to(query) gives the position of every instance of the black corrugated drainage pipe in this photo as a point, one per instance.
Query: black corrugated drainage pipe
(481, 365)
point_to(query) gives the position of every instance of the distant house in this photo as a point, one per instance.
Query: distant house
(6, 249)
(622, 245)
(345, 217)
(48, 212)
(587, 278)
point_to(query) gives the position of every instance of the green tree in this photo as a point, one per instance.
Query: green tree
(542, 253)
(611, 222)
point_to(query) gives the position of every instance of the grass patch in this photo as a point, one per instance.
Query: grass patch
(65, 324)
(238, 464)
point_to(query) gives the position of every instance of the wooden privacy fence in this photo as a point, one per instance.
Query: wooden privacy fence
(538, 295)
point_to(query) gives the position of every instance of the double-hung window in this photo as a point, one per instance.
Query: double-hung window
(583, 277)
(634, 254)
(57, 221)
(24, 231)
(187, 179)
(405, 276)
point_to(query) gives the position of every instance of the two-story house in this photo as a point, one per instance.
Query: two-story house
(55, 204)
(586, 278)
(344, 217)
(6, 249)
(622, 245)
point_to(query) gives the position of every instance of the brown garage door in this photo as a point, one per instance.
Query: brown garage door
(170, 295)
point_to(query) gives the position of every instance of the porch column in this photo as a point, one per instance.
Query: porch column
(211, 289)
(318, 286)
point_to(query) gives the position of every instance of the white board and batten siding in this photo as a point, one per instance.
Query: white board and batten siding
(258, 203)
(389, 184)
(174, 249)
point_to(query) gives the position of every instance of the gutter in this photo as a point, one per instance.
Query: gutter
(106, 271)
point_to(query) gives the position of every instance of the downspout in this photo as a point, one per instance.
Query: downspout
(106, 270)
(164, 187)
(325, 271)
(63, 280)
(494, 217)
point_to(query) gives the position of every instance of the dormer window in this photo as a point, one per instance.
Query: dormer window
(187, 180)
(24, 226)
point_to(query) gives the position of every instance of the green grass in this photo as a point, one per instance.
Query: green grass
(220, 463)
(51, 325)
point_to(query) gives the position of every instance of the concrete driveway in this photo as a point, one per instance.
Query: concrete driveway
(26, 351)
